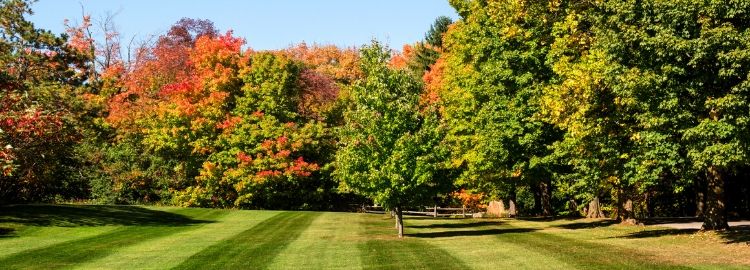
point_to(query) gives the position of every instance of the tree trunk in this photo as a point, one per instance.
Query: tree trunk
(715, 216)
(649, 205)
(625, 208)
(536, 190)
(400, 222)
(512, 212)
(700, 204)
(628, 216)
(700, 198)
(545, 187)
(573, 208)
(595, 210)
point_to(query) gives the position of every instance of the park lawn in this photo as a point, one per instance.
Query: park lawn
(131, 237)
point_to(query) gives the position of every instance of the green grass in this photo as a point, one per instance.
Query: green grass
(120, 237)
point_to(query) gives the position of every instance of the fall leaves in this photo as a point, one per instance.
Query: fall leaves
(248, 119)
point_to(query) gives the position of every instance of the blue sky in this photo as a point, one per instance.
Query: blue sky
(268, 24)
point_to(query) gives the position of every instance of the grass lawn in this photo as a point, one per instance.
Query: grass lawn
(122, 237)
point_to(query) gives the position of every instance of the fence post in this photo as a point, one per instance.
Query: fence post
(434, 211)
(463, 211)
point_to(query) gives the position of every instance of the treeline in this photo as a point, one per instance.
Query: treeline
(618, 108)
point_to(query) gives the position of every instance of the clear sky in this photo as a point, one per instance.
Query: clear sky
(267, 24)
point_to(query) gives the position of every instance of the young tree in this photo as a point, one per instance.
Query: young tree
(389, 147)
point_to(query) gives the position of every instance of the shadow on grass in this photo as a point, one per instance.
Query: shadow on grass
(90, 215)
(658, 233)
(736, 234)
(6, 232)
(587, 225)
(547, 218)
(470, 233)
(668, 220)
(585, 254)
(427, 218)
(459, 225)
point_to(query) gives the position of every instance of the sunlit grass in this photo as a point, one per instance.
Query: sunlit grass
(108, 237)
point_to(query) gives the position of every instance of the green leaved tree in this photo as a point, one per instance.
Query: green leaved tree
(689, 64)
(494, 75)
(389, 148)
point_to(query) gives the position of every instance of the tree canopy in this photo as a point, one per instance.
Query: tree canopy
(617, 108)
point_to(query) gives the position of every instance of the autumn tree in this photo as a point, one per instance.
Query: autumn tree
(389, 147)
(260, 158)
(165, 107)
(328, 71)
(40, 81)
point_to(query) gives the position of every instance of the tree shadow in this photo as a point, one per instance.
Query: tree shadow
(459, 225)
(6, 232)
(657, 233)
(91, 215)
(547, 218)
(587, 225)
(668, 220)
(469, 233)
(737, 234)
(424, 217)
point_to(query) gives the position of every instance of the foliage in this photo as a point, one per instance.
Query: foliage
(420, 57)
(494, 71)
(639, 107)
(389, 147)
(260, 158)
(642, 95)
(40, 80)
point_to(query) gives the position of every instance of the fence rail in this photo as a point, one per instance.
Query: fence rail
(431, 211)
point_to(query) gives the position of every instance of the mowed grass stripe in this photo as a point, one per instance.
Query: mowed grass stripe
(383, 250)
(255, 248)
(110, 237)
(38, 226)
(533, 245)
(584, 254)
(32, 238)
(70, 253)
(407, 254)
(330, 242)
(475, 243)
(168, 252)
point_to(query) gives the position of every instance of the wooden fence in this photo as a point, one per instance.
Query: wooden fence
(428, 211)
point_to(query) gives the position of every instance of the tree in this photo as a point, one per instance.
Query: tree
(494, 73)
(41, 79)
(650, 92)
(166, 108)
(328, 71)
(260, 158)
(388, 146)
(434, 36)
(689, 59)
(420, 57)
